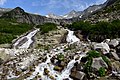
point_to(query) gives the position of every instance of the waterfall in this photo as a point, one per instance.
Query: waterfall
(71, 38)
(28, 41)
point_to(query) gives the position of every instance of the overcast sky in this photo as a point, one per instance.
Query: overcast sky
(44, 7)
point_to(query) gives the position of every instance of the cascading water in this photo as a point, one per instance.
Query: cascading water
(71, 38)
(28, 42)
(49, 66)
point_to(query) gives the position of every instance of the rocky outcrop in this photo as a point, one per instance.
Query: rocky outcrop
(109, 13)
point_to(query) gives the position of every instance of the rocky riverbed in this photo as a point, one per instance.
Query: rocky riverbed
(72, 60)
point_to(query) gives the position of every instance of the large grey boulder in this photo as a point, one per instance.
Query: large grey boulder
(98, 63)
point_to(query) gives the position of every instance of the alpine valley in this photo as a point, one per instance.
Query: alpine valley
(80, 45)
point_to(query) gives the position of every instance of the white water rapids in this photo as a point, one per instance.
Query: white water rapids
(71, 38)
(39, 70)
(50, 67)
(29, 41)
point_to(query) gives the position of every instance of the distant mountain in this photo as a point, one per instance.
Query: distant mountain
(108, 10)
(80, 14)
(4, 10)
(72, 14)
(21, 16)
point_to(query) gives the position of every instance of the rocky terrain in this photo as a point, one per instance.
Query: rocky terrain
(59, 53)
(71, 60)
(108, 13)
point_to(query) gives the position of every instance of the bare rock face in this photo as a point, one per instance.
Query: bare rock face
(98, 62)
(79, 35)
(63, 39)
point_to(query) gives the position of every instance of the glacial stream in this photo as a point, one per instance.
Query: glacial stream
(71, 38)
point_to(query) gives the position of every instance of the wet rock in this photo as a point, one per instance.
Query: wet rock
(46, 72)
(79, 35)
(77, 75)
(1, 61)
(114, 55)
(98, 62)
(83, 59)
(79, 67)
(57, 68)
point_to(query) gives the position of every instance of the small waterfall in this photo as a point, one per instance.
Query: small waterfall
(71, 38)
(28, 40)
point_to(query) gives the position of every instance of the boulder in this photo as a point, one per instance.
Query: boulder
(113, 52)
(78, 34)
(113, 43)
(118, 50)
(77, 75)
(98, 63)
(57, 68)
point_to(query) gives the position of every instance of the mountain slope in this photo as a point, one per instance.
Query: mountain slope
(21, 16)
(4, 10)
(109, 13)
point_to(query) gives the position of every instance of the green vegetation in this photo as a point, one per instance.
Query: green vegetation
(114, 7)
(102, 71)
(100, 30)
(9, 30)
(87, 66)
(93, 54)
(106, 60)
(60, 57)
(45, 28)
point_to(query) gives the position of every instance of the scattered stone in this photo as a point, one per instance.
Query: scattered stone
(46, 72)
(57, 68)
(77, 75)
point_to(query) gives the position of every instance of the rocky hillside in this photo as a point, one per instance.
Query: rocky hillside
(21, 16)
(109, 13)
(4, 10)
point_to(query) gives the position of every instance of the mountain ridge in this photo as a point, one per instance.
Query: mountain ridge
(88, 14)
